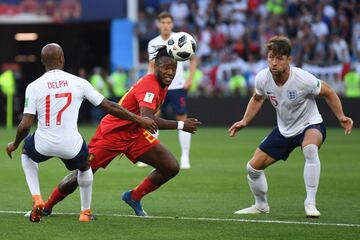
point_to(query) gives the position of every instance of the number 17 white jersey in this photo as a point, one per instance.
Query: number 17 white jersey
(56, 98)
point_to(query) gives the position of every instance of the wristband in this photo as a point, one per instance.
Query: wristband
(180, 125)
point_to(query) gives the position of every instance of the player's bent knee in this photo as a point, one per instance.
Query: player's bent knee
(252, 172)
(173, 169)
(311, 154)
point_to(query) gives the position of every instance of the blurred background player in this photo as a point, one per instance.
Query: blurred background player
(99, 82)
(177, 94)
(114, 137)
(55, 98)
(117, 82)
(291, 91)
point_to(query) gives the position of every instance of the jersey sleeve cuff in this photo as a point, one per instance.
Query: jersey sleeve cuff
(258, 92)
(29, 112)
(99, 101)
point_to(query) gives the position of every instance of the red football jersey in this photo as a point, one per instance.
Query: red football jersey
(147, 92)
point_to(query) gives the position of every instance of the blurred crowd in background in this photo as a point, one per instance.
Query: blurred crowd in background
(40, 11)
(232, 35)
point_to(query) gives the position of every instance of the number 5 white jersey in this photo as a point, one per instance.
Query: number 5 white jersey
(56, 98)
(294, 101)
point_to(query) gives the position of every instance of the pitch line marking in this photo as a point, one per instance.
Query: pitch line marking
(204, 219)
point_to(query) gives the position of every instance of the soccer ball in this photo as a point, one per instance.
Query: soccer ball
(181, 46)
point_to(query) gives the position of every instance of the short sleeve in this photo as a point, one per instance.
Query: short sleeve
(30, 100)
(259, 89)
(91, 94)
(147, 94)
(312, 83)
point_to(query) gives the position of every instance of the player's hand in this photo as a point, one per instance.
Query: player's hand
(236, 127)
(347, 124)
(191, 125)
(10, 148)
(148, 124)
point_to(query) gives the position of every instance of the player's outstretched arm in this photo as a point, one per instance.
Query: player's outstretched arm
(252, 109)
(189, 125)
(334, 103)
(22, 131)
(122, 113)
(193, 65)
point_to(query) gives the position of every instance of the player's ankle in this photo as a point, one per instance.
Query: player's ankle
(37, 197)
(262, 205)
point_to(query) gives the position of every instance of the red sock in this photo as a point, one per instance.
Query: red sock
(142, 189)
(55, 197)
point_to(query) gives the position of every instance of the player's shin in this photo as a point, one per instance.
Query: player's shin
(67, 186)
(258, 185)
(143, 188)
(311, 172)
(55, 197)
(31, 174)
(185, 140)
(85, 180)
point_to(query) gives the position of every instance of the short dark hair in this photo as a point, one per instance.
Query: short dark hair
(163, 15)
(161, 51)
(279, 45)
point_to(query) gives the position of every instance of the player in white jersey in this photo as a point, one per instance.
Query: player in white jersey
(56, 98)
(291, 91)
(177, 93)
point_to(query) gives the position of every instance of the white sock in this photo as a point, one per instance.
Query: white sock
(31, 170)
(156, 135)
(185, 140)
(258, 185)
(311, 172)
(85, 180)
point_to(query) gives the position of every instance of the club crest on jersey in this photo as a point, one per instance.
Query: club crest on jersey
(292, 94)
(149, 97)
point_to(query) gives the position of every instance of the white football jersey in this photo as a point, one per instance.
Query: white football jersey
(294, 101)
(179, 80)
(56, 98)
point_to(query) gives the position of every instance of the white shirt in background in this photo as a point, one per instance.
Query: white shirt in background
(179, 80)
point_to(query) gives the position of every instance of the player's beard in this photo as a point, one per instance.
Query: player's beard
(278, 73)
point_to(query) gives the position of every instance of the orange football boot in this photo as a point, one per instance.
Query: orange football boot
(38, 206)
(86, 216)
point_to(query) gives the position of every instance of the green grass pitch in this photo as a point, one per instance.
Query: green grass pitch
(198, 203)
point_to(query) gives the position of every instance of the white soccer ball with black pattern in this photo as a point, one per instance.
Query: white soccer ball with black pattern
(181, 46)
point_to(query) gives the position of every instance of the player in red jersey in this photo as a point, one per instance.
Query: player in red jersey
(115, 136)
